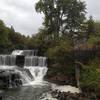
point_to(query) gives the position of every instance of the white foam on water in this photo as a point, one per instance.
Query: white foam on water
(5, 67)
(33, 75)
(34, 83)
(47, 96)
(65, 88)
(17, 52)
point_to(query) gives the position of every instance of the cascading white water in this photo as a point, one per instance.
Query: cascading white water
(25, 52)
(35, 75)
(7, 61)
(34, 69)
(35, 61)
(36, 66)
(17, 52)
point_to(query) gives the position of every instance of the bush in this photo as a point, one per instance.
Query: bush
(90, 75)
(61, 59)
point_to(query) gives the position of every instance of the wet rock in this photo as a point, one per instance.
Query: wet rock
(10, 78)
(20, 59)
(73, 96)
(0, 97)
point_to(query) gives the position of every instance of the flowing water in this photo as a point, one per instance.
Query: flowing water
(31, 75)
(26, 93)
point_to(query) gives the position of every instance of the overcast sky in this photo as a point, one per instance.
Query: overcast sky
(22, 16)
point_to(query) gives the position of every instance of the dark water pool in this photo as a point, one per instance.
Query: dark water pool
(25, 93)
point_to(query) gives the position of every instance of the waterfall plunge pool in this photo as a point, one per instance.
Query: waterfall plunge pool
(41, 91)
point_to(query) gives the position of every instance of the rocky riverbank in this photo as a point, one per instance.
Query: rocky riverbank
(74, 96)
(61, 80)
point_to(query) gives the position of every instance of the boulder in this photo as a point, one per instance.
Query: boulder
(10, 78)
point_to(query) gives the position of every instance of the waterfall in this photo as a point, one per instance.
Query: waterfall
(25, 52)
(34, 75)
(17, 52)
(32, 72)
(35, 61)
(7, 61)
(36, 66)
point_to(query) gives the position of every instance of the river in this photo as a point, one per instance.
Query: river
(35, 92)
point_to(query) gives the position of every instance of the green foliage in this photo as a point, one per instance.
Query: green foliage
(40, 42)
(91, 26)
(3, 34)
(61, 59)
(90, 75)
(97, 28)
(61, 16)
(93, 41)
(94, 34)
(10, 40)
(60, 49)
(4, 42)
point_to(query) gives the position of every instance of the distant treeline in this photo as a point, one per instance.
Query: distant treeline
(10, 40)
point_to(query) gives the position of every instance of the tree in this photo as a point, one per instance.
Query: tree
(97, 27)
(61, 16)
(91, 26)
(3, 33)
(4, 42)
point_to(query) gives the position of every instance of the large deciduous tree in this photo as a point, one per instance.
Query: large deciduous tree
(62, 16)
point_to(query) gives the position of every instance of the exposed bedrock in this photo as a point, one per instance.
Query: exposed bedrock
(10, 78)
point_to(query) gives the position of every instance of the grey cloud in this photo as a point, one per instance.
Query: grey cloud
(93, 8)
(21, 14)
